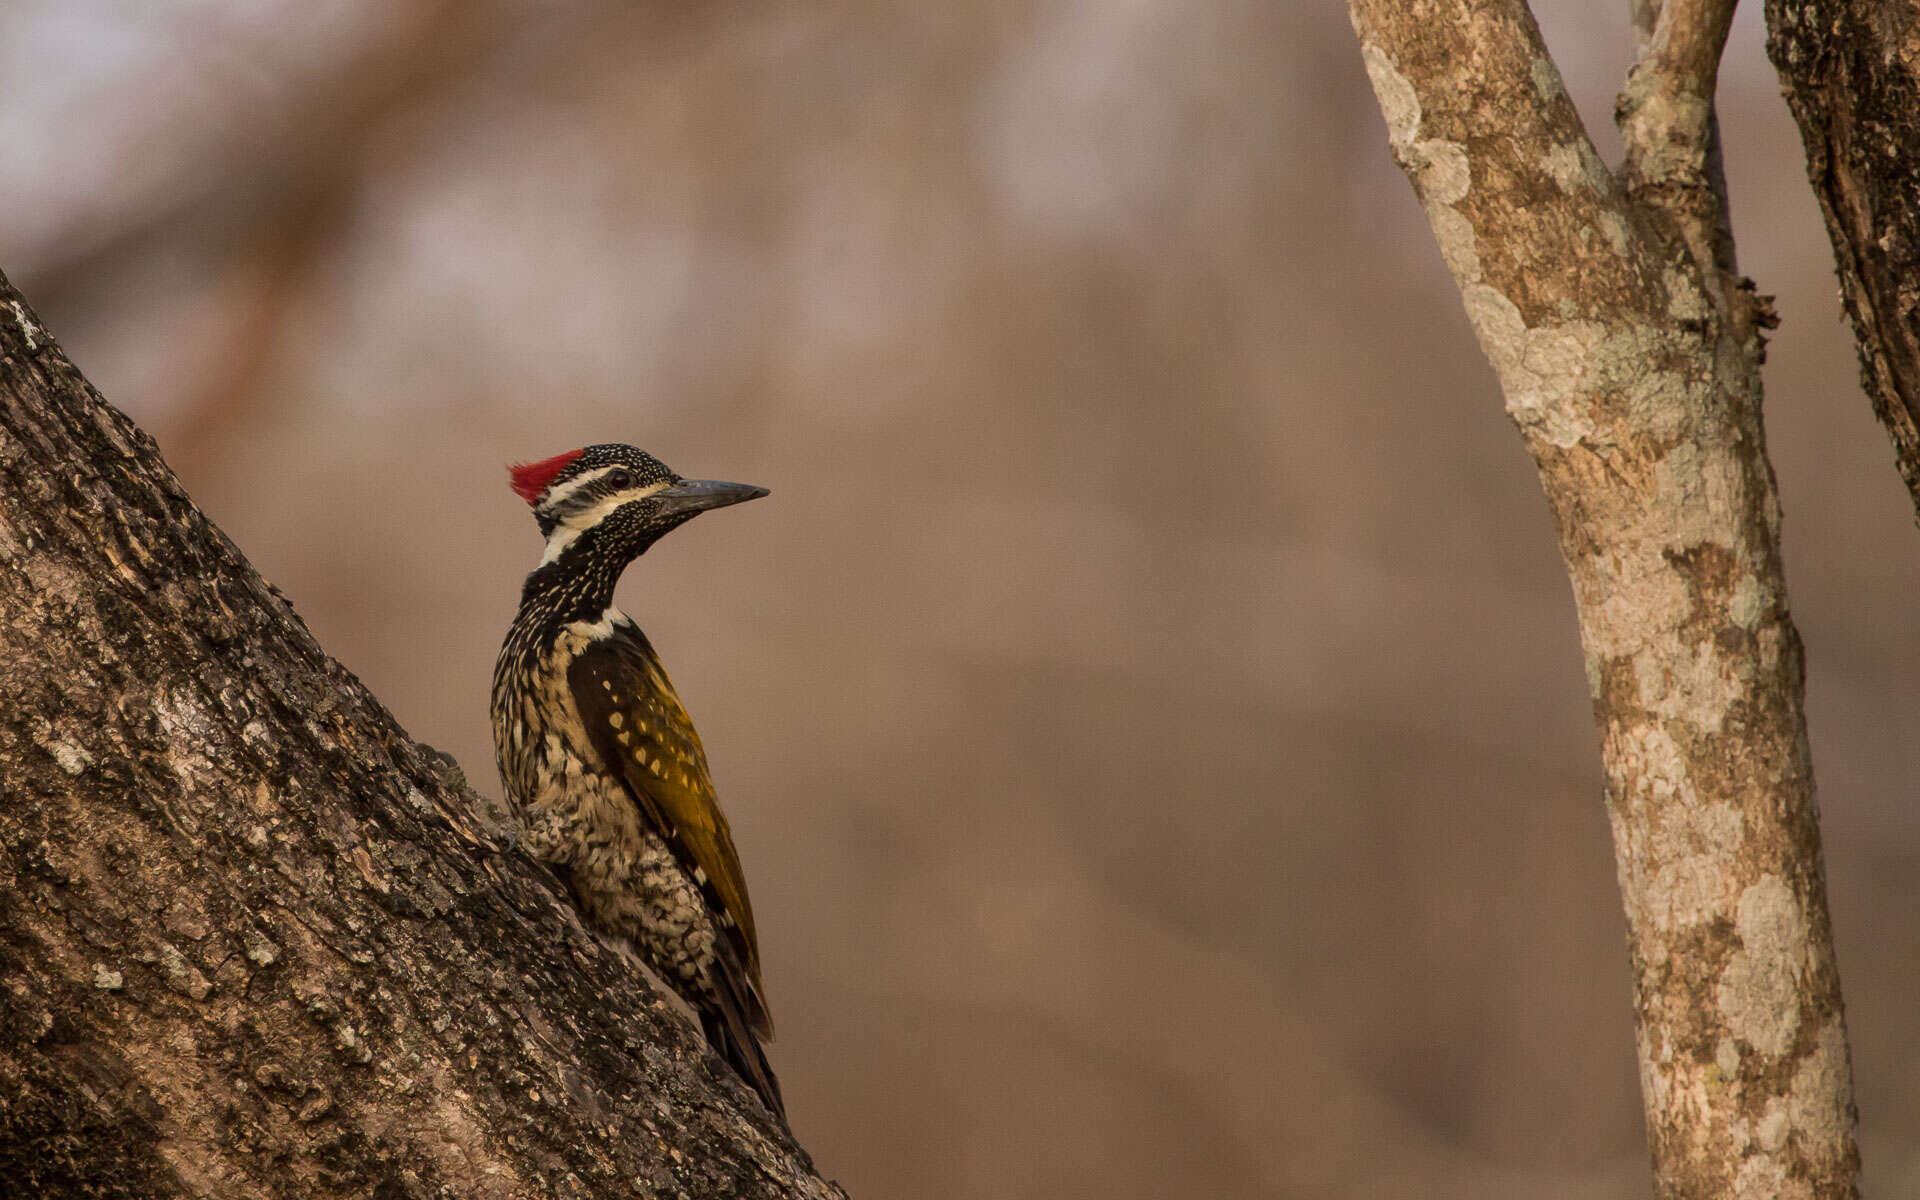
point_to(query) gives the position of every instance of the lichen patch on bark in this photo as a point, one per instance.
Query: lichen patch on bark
(1764, 1177)
(1760, 989)
(1574, 166)
(1399, 103)
(1688, 850)
(1546, 78)
(1820, 1099)
(1455, 235)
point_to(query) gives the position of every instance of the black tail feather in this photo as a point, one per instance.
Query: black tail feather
(730, 1030)
(730, 1038)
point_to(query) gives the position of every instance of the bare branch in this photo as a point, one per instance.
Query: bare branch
(1672, 136)
(1681, 61)
(1631, 370)
(1643, 16)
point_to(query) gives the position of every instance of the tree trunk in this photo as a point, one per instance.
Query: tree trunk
(1628, 350)
(1851, 72)
(253, 939)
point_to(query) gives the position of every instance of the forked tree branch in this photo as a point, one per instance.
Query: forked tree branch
(1628, 352)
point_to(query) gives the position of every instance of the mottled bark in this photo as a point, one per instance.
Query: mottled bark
(254, 939)
(1851, 71)
(1628, 351)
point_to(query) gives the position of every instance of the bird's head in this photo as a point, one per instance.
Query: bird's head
(618, 497)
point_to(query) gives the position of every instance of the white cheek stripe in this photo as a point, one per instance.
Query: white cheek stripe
(557, 496)
(569, 530)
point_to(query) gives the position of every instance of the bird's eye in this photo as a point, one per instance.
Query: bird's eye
(619, 479)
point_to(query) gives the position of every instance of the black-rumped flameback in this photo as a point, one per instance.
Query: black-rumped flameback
(600, 760)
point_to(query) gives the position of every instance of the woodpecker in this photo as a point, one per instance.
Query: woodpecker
(600, 760)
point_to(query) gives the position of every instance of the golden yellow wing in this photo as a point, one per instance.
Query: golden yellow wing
(641, 730)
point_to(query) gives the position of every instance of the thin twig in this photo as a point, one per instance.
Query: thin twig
(1672, 136)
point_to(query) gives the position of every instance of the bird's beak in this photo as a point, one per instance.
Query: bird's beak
(691, 496)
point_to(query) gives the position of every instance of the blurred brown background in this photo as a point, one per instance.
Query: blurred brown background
(1149, 704)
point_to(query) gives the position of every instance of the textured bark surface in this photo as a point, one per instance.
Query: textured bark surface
(1628, 352)
(254, 940)
(1851, 72)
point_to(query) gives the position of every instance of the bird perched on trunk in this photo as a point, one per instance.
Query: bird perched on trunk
(600, 760)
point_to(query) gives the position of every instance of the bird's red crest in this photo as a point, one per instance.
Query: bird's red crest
(531, 479)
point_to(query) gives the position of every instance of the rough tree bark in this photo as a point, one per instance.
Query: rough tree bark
(1851, 71)
(253, 940)
(1628, 350)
